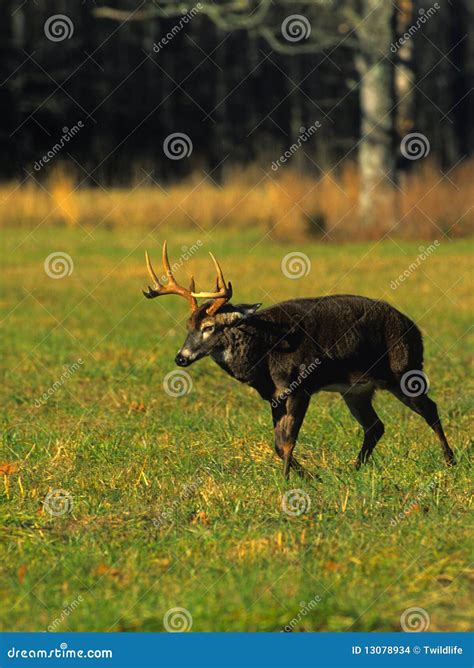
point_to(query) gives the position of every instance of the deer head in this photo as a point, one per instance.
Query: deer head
(207, 323)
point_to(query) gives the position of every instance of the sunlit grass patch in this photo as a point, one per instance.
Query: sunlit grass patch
(287, 206)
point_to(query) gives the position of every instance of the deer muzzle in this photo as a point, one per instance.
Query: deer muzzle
(182, 360)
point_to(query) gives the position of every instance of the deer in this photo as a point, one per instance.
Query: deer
(294, 349)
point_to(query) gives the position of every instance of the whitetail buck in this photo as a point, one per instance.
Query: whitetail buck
(342, 343)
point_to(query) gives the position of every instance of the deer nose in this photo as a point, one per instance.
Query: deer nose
(181, 360)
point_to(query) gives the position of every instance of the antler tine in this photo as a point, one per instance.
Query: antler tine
(222, 293)
(155, 291)
(222, 290)
(220, 275)
(166, 264)
(171, 288)
(151, 271)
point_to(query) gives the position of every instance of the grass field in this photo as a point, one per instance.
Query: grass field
(372, 543)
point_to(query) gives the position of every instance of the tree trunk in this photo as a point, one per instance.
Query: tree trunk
(296, 113)
(221, 145)
(15, 93)
(377, 168)
(405, 71)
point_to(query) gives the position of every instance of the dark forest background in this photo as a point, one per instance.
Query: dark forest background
(240, 98)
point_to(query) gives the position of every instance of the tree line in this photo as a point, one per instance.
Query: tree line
(242, 79)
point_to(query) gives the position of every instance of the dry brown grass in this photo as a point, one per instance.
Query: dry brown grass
(288, 205)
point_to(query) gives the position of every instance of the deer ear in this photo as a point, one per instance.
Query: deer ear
(239, 313)
(246, 310)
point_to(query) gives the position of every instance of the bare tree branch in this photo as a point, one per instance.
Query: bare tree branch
(241, 15)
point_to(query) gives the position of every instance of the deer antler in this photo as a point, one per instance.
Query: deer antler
(222, 293)
(171, 288)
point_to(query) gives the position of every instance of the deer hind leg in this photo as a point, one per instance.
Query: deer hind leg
(426, 407)
(360, 405)
(288, 417)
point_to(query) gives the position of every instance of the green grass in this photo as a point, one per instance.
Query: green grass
(126, 451)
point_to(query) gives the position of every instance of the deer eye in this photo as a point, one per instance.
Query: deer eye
(208, 329)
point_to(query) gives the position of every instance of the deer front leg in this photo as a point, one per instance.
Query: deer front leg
(288, 415)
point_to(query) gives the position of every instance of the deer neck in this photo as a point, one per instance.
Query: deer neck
(239, 353)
